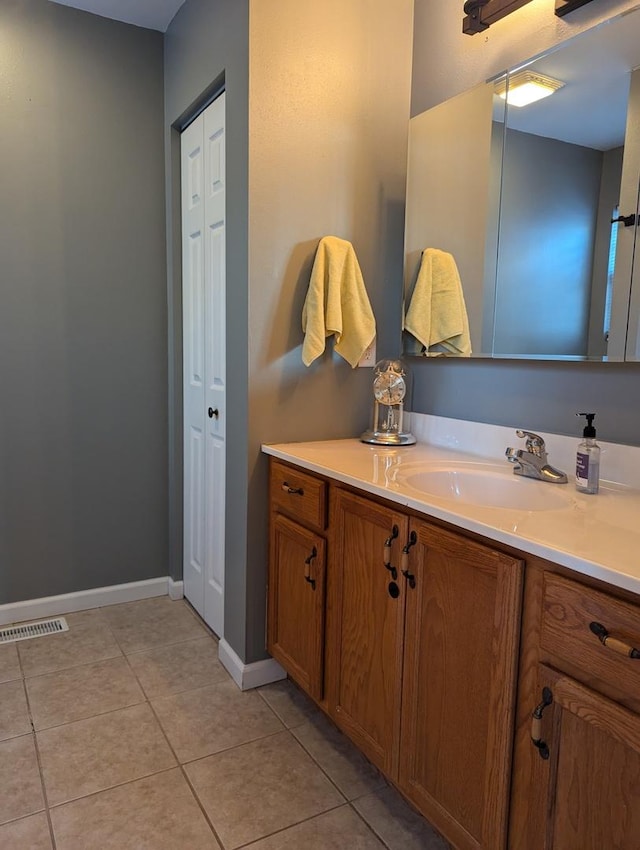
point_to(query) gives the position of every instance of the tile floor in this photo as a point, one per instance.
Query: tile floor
(126, 732)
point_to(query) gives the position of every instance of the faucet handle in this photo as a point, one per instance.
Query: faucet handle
(535, 443)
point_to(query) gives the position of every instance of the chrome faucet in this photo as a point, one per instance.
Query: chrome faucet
(532, 460)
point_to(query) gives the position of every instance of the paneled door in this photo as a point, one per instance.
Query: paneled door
(365, 622)
(204, 368)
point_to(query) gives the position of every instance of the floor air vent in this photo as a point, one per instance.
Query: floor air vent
(10, 634)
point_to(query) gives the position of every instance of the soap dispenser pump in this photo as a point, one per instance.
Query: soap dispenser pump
(588, 458)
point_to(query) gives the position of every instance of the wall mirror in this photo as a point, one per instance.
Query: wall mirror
(522, 198)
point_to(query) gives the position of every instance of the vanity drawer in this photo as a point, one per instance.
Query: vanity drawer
(298, 494)
(571, 614)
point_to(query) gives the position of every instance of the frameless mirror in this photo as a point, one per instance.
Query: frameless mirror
(522, 198)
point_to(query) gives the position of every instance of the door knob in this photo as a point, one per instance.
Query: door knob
(213, 413)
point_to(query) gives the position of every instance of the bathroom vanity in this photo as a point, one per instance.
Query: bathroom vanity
(430, 627)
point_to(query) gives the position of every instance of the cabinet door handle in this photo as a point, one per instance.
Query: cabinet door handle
(404, 560)
(294, 491)
(387, 552)
(613, 643)
(536, 724)
(307, 568)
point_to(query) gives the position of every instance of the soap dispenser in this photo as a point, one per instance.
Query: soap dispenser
(588, 458)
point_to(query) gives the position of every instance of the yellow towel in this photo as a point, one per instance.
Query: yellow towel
(437, 315)
(337, 303)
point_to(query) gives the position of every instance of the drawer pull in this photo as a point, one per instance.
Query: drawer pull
(613, 643)
(387, 552)
(294, 491)
(536, 724)
(404, 560)
(307, 568)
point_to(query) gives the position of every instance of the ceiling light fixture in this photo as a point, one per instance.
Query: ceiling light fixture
(525, 87)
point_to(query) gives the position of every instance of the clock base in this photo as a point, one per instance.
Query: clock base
(388, 438)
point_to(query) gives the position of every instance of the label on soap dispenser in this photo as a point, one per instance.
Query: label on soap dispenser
(582, 468)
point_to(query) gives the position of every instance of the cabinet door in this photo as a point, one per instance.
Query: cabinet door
(461, 647)
(366, 626)
(295, 633)
(589, 782)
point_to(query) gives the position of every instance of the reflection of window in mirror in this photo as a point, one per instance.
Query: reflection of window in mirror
(611, 266)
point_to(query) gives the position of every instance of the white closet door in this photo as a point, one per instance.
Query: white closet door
(203, 305)
(215, 362)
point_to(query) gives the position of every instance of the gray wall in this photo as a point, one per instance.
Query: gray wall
(451, 179)
(550, 193)
(329, 109)
(326, 154)
(536, 395)
(82, 304)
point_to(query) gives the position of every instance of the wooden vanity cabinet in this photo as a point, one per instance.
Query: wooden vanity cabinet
(366, 624)
(588, 783)
(461, 643)
(413, 638)
(422, 669)
(578, 786)
(297, 575)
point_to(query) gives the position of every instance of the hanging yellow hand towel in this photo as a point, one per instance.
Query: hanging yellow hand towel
(337, 303)
(437, 315)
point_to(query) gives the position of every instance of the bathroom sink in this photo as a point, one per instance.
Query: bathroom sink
(483, 485)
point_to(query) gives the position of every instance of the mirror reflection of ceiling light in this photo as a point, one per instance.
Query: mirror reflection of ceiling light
(526, 87)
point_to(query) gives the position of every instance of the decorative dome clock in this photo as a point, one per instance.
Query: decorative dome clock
(389, 390)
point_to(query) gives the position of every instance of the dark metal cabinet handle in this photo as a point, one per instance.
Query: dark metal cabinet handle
(404, 560)
(627, 220)
(387, 552)
(211, 412)
(294, 491)
(616, 645)
(536, 724)
(307, 568)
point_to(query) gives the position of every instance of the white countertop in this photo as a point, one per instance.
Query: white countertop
(595, 535)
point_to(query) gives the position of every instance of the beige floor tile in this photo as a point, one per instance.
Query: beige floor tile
(179, 667)
(20, 786)
(14, 714)
(348, 768)
(289, 702)
(9, 664)
(156, 813)
(336, 830)
(397, 824)
(88, 639)
(253, 790)
(208, 720)
(152, 622)
(30, 833)
(81, 692)
(92, 755)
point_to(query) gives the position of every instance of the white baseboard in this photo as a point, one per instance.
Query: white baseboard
(176, 589)
(248, 676)
(67, 603)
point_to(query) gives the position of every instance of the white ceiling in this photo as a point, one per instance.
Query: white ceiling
(152, 14)
(591, 109)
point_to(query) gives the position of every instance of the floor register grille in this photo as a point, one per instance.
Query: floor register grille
(41, 628)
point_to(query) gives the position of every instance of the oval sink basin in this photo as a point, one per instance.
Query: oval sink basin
(485, 486)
